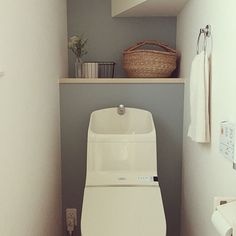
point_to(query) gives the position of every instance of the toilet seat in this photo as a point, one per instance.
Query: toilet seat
(123, 211)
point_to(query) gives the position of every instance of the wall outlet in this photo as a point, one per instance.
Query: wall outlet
(222, 200)
(71, 213)
(71, 219)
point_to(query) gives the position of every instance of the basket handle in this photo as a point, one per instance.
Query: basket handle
(150, 42)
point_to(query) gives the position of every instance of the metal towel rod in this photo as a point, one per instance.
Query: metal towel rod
(207, 34)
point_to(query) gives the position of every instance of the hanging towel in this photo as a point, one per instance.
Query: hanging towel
(199, 129)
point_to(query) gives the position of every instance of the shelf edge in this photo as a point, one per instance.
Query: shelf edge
(122, 81)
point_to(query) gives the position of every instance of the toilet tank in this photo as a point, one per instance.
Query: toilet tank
(121, 148)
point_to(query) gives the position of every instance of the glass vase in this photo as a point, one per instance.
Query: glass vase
(78, 68)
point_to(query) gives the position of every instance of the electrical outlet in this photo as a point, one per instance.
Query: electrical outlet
(71, 214)
(71, 219)
(222, 200)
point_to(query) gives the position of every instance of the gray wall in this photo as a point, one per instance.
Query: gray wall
(107, 36)
(165, 101)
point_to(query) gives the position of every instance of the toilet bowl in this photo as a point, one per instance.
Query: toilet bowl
(122, 195)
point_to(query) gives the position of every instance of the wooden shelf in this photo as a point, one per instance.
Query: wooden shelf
(122, 81)
(143, 8)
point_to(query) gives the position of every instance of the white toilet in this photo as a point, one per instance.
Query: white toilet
(122, 196)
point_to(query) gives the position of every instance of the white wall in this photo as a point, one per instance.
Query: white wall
(205, 173)
(33, 53)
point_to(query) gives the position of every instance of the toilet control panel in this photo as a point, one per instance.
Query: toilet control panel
(148, 178)
(118, 179)
(227, 133)
(227, 140)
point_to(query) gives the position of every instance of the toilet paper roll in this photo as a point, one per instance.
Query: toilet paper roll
(221, 225)
(90, 70)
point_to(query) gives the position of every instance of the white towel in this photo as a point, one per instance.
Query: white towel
(199, 129)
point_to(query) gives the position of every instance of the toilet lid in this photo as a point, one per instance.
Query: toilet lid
(123, 211)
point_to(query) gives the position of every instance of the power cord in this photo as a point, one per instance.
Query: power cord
(70, 226)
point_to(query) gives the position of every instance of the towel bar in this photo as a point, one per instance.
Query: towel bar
(207, 34)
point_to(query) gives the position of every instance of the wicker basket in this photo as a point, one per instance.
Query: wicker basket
(143, 63)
